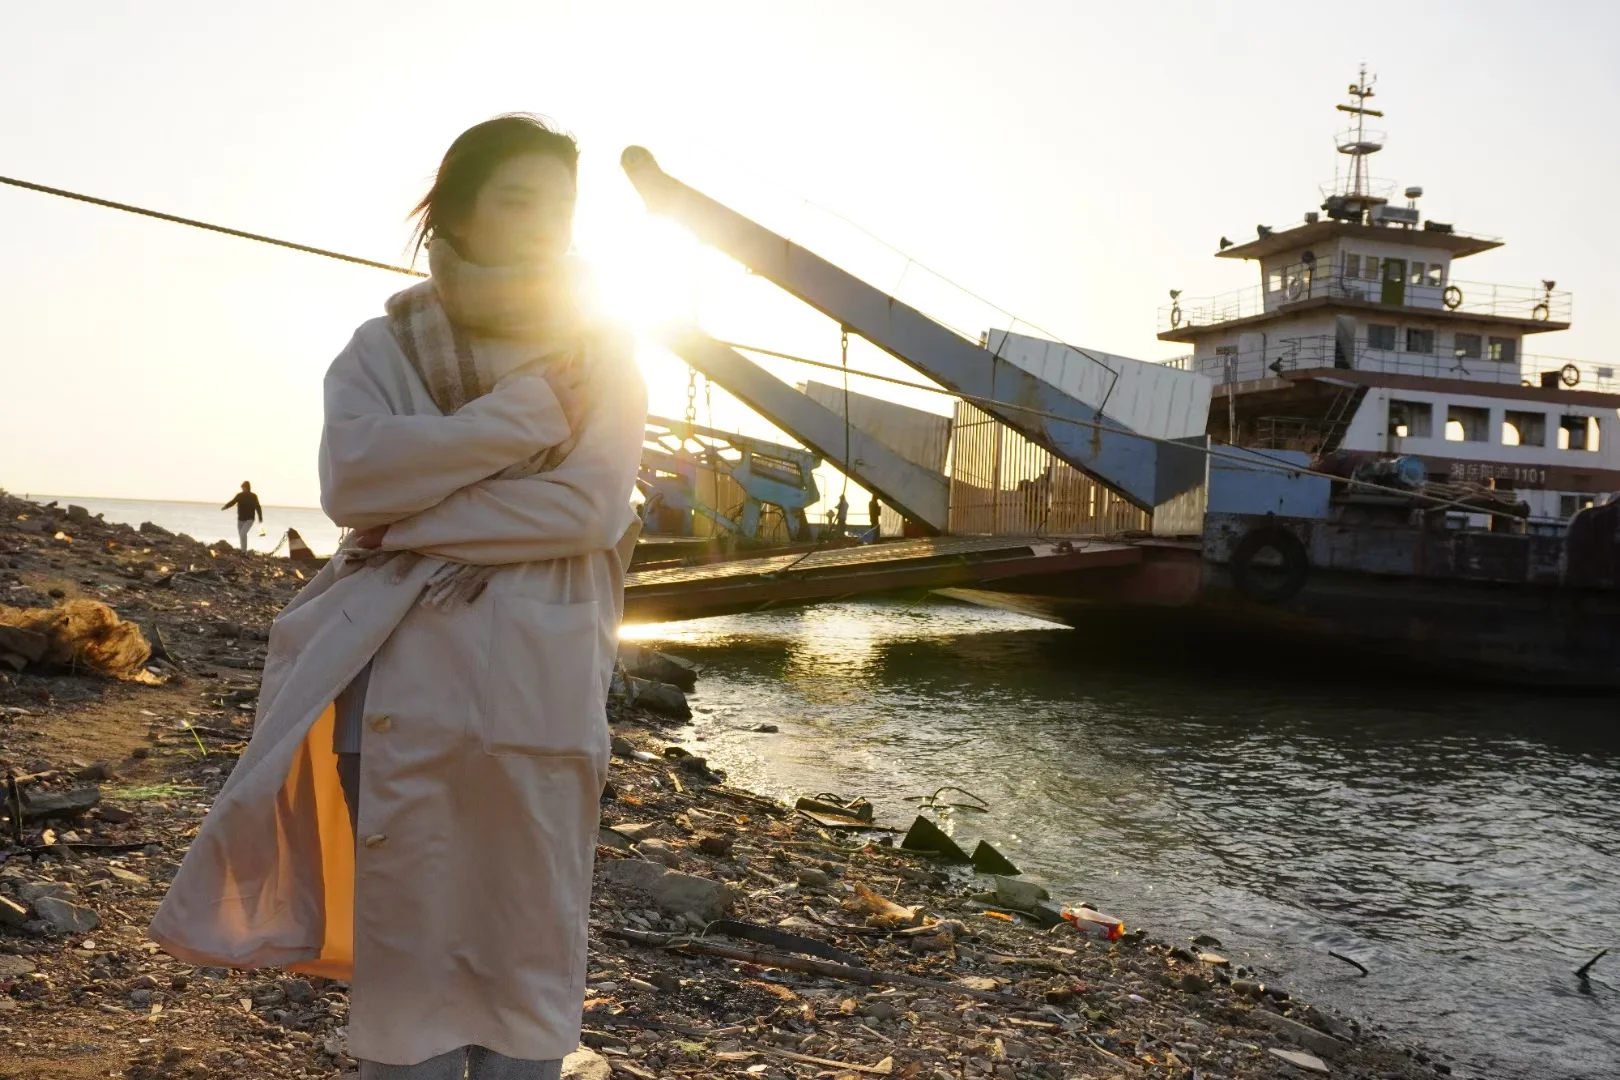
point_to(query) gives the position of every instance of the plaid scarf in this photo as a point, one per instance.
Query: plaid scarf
(463, 330)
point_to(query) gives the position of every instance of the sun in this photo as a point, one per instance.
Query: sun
(646, 269)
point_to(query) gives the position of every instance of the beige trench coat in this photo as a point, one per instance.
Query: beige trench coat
(463, 906)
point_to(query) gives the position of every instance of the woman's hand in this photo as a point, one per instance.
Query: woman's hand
(372, 537)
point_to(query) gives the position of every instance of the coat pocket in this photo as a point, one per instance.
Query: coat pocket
(545, 691)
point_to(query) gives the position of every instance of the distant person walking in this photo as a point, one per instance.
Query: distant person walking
(874, 514)
(247, 508)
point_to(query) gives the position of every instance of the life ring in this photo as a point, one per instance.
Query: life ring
(1541, 312)
(1452, 298)
(1569, 375)
(1175, 316)
(1295, 287)
(1269, 588)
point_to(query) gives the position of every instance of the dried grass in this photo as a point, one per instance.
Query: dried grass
(84, 636)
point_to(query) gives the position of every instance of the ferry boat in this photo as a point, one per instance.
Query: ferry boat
(1455, 501)
(1360, 337)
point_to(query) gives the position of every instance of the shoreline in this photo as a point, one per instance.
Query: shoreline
(966, 995)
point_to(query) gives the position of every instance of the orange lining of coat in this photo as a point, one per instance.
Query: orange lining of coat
(316, 764)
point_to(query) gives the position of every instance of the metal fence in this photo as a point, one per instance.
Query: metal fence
(1320, 351)
(1420, 286)
(1004, 485)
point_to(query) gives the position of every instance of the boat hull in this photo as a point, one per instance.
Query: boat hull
(1176, 604)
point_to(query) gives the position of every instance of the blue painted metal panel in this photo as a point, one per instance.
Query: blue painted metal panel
(1238, 487)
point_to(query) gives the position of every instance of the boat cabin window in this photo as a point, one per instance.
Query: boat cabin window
(1352, 266)
(1437, 275)
(1419, 341)
(1505, 349)
(1469, 346)
(1524, 429)
(1369, 267)
(1570, 505)
(1380, 337)
(1466, 423)
(1274, 280)
(1414, 272)
(1578, 433)
(1411, 419)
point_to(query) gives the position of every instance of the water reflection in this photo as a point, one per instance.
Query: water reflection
(1461, 844)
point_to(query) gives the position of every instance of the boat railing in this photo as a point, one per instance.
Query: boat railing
(1320, 352)
(1422, 287)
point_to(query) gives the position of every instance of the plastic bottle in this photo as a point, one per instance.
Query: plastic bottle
(1094, 923)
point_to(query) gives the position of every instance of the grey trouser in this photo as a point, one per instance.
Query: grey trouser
(469, 1062)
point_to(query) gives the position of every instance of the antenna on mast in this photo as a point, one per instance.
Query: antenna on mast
(1351, 199)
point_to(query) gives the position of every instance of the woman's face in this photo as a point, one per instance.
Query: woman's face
(523, 215)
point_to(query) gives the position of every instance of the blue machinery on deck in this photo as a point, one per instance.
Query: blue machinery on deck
(770, 475)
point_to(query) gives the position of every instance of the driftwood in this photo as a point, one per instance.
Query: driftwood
(88, 846)
(1585, 969)
(1029, 961)
(773, 808)
(218, 733)
(14, 807)
(1358, 965)
(646, 1024)
(780, 939)
(883, 1068)
(766, 958)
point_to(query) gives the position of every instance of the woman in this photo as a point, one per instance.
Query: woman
(452, 661)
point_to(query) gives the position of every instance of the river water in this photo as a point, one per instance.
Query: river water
(207, 522)
(1463, 844)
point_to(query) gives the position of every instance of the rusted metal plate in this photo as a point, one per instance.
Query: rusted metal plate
(752, 584)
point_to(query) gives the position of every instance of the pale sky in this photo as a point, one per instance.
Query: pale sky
(1069, 161)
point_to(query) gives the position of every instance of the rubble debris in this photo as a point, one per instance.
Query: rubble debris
(987, 860)
(585, 1064)
(1301, 1034)
(66, 917)
(925, 836)
(1019, 895)
(70, 803)
(657, 667)
(657, 697)
(881, 911)
(671, 890)
(1302, 1060)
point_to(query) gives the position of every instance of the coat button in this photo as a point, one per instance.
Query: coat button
(381, 724)
(375, 840)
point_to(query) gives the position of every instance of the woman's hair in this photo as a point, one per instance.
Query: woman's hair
(478, 152)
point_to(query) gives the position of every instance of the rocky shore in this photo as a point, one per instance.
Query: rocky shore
(731, 935)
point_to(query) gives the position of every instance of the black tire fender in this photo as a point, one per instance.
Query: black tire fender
(1296, 564)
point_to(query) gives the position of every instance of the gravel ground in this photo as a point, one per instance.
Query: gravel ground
(730, 935)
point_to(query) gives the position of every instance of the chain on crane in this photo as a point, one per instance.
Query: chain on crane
(691, 394)
(843, 349)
